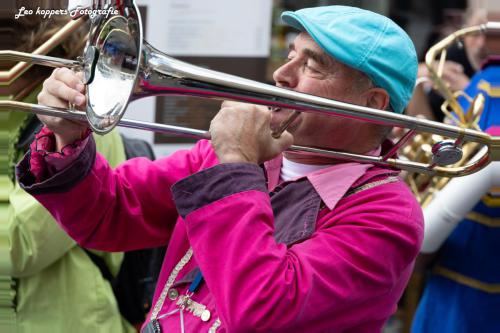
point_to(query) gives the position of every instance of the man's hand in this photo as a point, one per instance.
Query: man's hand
(453, 74)
(241, 133)
(63, 87)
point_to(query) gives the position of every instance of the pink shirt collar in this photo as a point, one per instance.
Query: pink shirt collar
(331, 183)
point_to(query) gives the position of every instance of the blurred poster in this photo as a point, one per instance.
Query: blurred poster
(225, 35)
(226, 28)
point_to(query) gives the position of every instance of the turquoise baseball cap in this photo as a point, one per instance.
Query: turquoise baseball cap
(366, 41)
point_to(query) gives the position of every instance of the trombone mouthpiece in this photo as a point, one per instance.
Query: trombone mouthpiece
(277, 133)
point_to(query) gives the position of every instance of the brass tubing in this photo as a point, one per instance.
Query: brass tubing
(7, 77)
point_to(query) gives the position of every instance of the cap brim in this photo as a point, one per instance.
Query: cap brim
(293, 20)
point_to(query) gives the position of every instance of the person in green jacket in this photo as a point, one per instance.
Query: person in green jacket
(47, 282)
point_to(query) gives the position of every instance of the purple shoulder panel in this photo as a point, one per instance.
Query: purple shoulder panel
(215, 183)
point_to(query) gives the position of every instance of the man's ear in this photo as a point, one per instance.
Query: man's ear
(377, 98)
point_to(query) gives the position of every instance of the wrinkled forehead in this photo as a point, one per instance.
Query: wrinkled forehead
(303, 39)
(305, 42)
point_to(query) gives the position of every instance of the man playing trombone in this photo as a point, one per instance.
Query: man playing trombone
(258, 240)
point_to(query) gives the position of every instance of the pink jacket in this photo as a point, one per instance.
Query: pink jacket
(338, 262)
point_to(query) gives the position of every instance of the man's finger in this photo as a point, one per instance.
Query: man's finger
(49, 100)
(234, 104)
(60, 90)
(70, 78)
(227, 104)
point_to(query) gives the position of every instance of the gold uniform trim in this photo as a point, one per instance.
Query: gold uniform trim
(488, 221)
(491, 201)
(491, 288)
(487, 88)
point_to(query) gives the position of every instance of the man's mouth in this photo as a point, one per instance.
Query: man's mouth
(277, 109)
(282, 120)
(277, 117)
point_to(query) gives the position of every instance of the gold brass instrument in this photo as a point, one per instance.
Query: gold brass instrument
(423, 186)
(9, 76)
(436, 69)
(120, 67)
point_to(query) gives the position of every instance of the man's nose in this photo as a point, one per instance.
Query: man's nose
(286, 76)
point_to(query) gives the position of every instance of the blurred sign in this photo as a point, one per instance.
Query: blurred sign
(218, 28)
(195, 112)
(225, 35)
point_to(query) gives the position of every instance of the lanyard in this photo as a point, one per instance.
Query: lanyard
(198, 279)
(154, 326)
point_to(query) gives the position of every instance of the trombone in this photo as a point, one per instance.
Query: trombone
(117, 56)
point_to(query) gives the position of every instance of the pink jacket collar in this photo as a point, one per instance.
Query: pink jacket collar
(331, 183)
